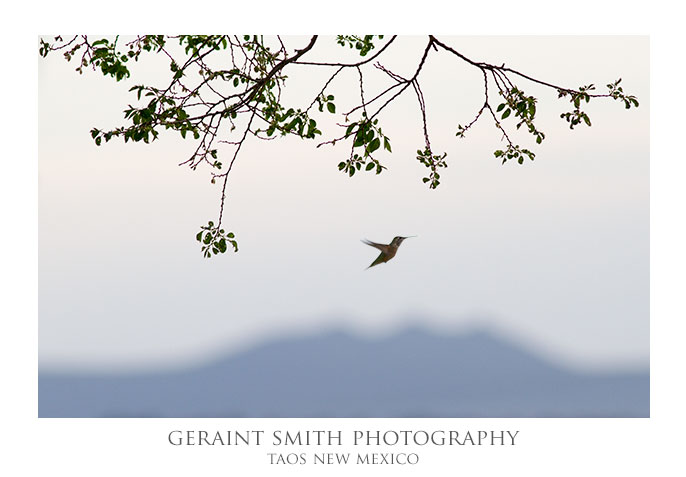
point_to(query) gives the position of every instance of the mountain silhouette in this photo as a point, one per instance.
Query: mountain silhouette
(412, 373)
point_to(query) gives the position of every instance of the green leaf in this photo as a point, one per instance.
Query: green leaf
(331, 107)
(506, 113)
(369, 167)
(374, 145)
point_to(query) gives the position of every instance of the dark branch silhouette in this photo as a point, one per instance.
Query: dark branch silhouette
(223, 84)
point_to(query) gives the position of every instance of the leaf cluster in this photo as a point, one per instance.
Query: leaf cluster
(214, 240)
(364, 44)
(577, 98)
(367, 139)
(293, 121)
(326, 101)
(617, 93)
(514, 151)
(524, 108)
(576, 116)
(433, 162)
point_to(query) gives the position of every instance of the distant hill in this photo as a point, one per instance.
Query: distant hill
(413, 373)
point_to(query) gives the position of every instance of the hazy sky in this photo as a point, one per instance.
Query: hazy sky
(553, 254)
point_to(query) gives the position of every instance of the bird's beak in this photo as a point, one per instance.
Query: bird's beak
(410, 236)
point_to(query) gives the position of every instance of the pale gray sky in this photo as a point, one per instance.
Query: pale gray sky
(553, 254)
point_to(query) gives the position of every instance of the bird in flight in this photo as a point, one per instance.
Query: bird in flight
(387, 251)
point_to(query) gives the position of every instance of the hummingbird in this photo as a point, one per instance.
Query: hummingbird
(387, 251)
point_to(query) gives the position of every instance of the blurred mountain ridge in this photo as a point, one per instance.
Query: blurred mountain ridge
(413, 372)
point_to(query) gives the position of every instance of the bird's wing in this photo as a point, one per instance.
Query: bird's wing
(379, 259)
(380, 246)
